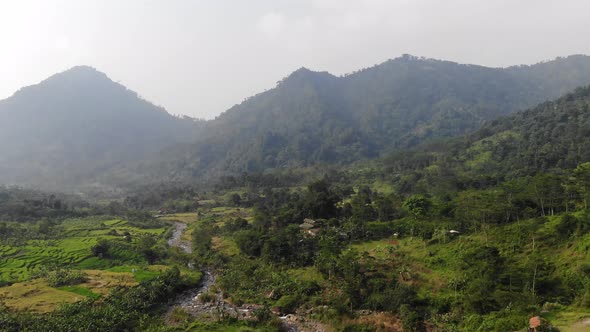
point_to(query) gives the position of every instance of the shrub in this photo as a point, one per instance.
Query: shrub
(208, 297)
(287, 303)
(65, 277)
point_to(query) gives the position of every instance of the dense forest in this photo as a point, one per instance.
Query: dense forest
(315, 117)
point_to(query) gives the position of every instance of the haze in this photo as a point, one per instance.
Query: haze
(201, 57)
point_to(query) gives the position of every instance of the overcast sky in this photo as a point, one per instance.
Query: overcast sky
(201, 57)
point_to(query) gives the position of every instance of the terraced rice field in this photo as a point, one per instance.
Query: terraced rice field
(19, 263)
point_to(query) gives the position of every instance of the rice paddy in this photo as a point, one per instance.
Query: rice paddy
(20, 263)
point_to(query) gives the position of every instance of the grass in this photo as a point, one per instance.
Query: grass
(139, 274)
(309, 273)
(226, 246)
(35, 296)
(80, 291)
(187, 218)
(38, 296)
(27, 258)
(571, 321)
(377, 249)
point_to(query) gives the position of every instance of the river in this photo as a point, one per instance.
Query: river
(190, 302)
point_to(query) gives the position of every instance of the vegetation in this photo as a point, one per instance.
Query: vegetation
(313, 118)
(478, 232)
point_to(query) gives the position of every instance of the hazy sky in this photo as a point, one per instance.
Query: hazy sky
(201, 57)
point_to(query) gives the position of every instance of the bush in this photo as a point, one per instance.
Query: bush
(208, 297)
(287, 303)
(65, 277)
(101, 249)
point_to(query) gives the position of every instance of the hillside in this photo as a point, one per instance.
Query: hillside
(552, 135)
(315, 117)
(78, 125)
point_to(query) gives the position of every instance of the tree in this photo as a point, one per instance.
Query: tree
(101, 249)
(549, 192)
(418, 205)
(235, 199)
(145, 245)
(582, 181)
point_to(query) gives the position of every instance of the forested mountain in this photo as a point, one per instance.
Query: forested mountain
(77, 125)
(315, 117)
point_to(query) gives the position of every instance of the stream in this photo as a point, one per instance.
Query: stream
(190, 302)
(176, 241)
(189, 299)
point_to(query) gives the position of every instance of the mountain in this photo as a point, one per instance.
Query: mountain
(78, 125)
(81, 128)
(315, 117)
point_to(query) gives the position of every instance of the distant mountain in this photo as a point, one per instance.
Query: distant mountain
(315, 117)
(79, 125)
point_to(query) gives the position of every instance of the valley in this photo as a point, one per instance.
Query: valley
(252, 229)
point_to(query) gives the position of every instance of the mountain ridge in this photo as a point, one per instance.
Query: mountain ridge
(90, 129)
(315, 117)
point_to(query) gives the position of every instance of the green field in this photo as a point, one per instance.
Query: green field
(18, 263)
(22, 262)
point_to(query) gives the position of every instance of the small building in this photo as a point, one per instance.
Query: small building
(309, 227)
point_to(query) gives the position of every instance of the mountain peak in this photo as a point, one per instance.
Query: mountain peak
(79, 79)
(304, 74)
(80, 73)
(82, 68)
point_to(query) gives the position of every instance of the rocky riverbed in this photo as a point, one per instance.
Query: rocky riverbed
(207, 303)
(176, 239)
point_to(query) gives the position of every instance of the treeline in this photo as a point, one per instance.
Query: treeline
(18, 204)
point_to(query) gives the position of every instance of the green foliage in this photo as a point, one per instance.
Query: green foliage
(81, 290)
(64, 277)
(313, 118)
(288, 303)
(101, 248)
(417, 205)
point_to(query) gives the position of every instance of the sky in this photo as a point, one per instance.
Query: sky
(199, 58)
